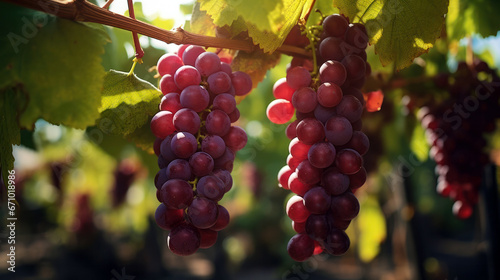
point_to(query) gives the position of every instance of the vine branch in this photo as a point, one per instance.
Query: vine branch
(81, 10)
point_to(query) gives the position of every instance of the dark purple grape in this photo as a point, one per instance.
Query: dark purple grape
(348, 161)
(168, 218)
(210, 187)
(160, 178)
(298, 77)
(183, 144)
(291, 130)
(218, 123)
(307, 173)
(222, 219)
(183, 240)
(355, 67)
(202, 212)
(176, 193)
(350, 108)
(317, 227)
(356, 36)
(236, 138)
(334, 182)
(300, 247)
(225, 161)
(242, 83)
(338, 130)
(224, 102)
(359, 142)
(332, 48)
(219, 82)
(317, 200)
(357, 179)
(179, 169)
(201, 164)
(337, 242)
(335, 25)
(329, 94)
(226, 178)
(213, 145)
(208, 238)
(345, 206)
(323, 114)
(321, 155)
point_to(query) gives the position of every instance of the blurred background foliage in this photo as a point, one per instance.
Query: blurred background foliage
(87, 198)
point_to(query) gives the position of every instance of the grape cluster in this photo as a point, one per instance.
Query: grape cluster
(325, 164)
(455, 130)
(196, 145)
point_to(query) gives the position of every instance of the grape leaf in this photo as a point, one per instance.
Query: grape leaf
(127, 103)
(267, 22)
(400, 30)
(11, 103)
(466, 18)
(56, 61)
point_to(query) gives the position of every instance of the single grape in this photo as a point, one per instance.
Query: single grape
(350, 108)
(219, 82)
(183, 144)
(162, 124)
(208, 238)
(168, 218)
(299, 227)
(317, 200)
(334, 182)
(222, 219)
(296, 210)
(356, 36)
(208, 63)
(218, 123)
(195, 98)
(281, 90)
(345, 206)
(225, 161)
(280, 111)
(310, 131)
(359, 142)
(224, 102)
(321, 155)
(298, 77)
(323, 114)
(242, 83)
(355, 67)
(190, 54)
(225, 177)
(179, 169)
(307, 173)
(235, 115)
(202, 212)
(337, 242)
(236, 138)
(161, 177)
(329, 95)
(317, 227)
(283, 176)
(167, 84)
(187, 76)
(166, 150)
(298, 149)
(297, 186)
(168, 64)
(170, 102)
(291, 130)
(333, 72)
(176, 193)
(332, 48)
(201, 164)
(300, 247)
(338, 130)
(348, 161)
(292, 162)
(181, 50)
(210, 187)
(304, 100)
(184, 240)
(187, 120)
(335, 25)
(213, 145)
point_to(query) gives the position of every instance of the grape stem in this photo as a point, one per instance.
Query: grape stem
(84, 11)
(106, 5)
(139, 52)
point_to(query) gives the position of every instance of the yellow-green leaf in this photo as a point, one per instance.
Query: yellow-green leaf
(267, 22)
(127, 103)
(400, 30)
(371, 223)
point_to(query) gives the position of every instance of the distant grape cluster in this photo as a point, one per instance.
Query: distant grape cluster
(325, 164)
(455, 130)
(196, 145)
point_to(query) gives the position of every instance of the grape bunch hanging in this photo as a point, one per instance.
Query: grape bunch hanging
(196, 145)
(455, 129)
(325, 164)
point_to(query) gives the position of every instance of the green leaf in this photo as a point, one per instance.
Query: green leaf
(400, 30)
(11, 102)
(267, 22)
(466, 18)
(127, 103)
(56, 61)
(201, 23)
